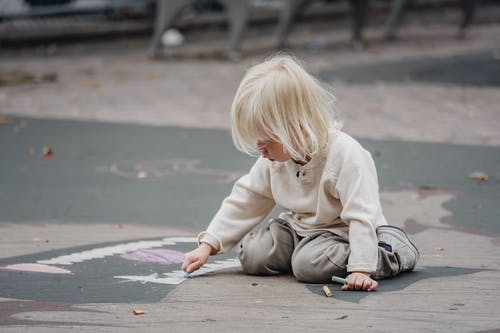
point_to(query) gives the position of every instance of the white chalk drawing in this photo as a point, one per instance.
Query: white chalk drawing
(174, 277)
(161, 256)
(182, 170)
(177, 276)
(114, 250)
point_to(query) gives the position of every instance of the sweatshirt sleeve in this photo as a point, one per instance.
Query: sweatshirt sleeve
(357, 189)
(250, 201)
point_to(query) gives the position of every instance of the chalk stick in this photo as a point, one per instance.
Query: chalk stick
(186, 275)
(339, 280)
(327, 291)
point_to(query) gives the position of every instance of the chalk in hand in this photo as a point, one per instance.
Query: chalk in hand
(339, 280)
(186, 275)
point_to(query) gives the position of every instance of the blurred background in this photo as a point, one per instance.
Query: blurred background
(31, 21)
(395, 63)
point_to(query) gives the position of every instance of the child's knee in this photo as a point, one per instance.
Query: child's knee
(252, 257)
(267, 251)
(319, 260)
(315, 270)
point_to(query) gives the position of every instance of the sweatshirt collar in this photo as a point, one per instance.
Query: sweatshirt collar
(315, 160)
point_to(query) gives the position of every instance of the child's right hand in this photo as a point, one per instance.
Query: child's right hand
(195, 259)
(360, 281)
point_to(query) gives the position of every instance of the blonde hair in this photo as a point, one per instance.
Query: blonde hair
(279, 100)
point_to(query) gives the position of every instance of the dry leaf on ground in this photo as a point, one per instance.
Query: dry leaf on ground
(47, 153)
(478, 175)
(5, 120)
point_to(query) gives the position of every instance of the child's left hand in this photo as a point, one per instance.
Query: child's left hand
(360, 281)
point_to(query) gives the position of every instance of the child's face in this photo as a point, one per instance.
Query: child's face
(272, 150)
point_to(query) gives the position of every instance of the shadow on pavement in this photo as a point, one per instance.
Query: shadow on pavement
(396, 284)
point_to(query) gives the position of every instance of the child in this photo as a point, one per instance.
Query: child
(325, 182)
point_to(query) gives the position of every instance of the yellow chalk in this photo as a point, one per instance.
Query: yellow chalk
(327, 291)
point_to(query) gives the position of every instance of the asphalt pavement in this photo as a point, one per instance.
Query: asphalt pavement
(110, 170)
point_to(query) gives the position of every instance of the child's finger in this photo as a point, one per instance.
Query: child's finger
(359, 283)
(367, 284)
(194, 266)
(354, 282)
(185, 264)
(188, 260)
(373, 286)
(349, 285)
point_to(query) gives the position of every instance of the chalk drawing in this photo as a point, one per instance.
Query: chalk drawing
(163, 256)
(102, 274)
(39, 268)
(114, 250)
(185, 170)
(177, 276)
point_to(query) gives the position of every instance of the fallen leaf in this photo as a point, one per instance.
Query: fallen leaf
(478, 175)
(138, 312)
(5, 121)
(47, 153)
(439, 248)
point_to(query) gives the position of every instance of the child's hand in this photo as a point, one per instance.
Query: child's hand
(195, 259)
(360, 281)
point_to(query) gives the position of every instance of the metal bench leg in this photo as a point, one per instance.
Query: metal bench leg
(468, 12)
(166, 13)
(395, 18)
(288, 16)
(360, 10)
(237, 12)
(294, 7)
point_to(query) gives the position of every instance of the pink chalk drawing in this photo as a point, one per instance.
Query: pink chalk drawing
(164, 256)
(39, 268)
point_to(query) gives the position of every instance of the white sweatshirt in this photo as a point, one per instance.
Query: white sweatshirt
(337, 191)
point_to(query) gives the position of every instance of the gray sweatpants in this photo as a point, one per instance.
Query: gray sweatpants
(277, 249)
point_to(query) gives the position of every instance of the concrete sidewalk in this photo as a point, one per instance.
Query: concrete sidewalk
(99, 229)
(141, 156)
